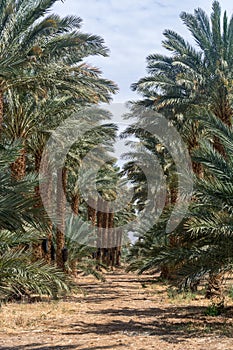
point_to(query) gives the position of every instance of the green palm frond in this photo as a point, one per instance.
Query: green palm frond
(19, 276)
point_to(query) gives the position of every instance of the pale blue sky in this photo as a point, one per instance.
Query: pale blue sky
(132, 29)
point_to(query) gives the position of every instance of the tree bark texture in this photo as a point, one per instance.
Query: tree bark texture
(18, 168)
(61, 204)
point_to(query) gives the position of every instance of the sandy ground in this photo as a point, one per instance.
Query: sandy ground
(125, 312)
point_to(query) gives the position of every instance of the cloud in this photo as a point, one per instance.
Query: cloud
(132, 30)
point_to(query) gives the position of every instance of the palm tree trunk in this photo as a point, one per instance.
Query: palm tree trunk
(91, 211)
(92, 217)
(18, 172)
(1, 110)
(118, 249)
(192, 145)
(223, 111)
(111, 239)
(37, 248)
(105, 235)
(214, 290)
(75, 203)
(99, 230)
(38, 156)
(45, 190)
(61, 203)
(18, 168)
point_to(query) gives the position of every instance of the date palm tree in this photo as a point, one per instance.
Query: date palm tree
(39, 52)
(20, 276)
(100, 134)
(205, 236)
(193, 78)
(77, 242)
(16, 209)
(22, 223)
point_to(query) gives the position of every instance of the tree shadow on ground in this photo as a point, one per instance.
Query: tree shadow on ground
(104, 347)
(36, 346)
(39, 346)
(173, 324)
(178, 312)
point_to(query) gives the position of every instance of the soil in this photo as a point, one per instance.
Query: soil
(124, 312)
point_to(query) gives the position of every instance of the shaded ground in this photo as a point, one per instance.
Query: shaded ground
(125, 312)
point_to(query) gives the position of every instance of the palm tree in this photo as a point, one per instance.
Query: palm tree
(145, 142)
(193, 78)
(28, 122)
(16, 209)
(77, 242)
(68, 172)
(22, 223)
(20, 276)
(49, 68)
(24, 122)
(41, 52)
(205, 236)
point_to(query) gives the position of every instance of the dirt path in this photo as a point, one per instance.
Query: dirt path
(124, 312)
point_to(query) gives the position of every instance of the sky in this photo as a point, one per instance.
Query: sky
(132, 29)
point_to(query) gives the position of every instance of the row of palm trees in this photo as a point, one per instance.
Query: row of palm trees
(192, 88)
(44, 79)
(23, 223)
